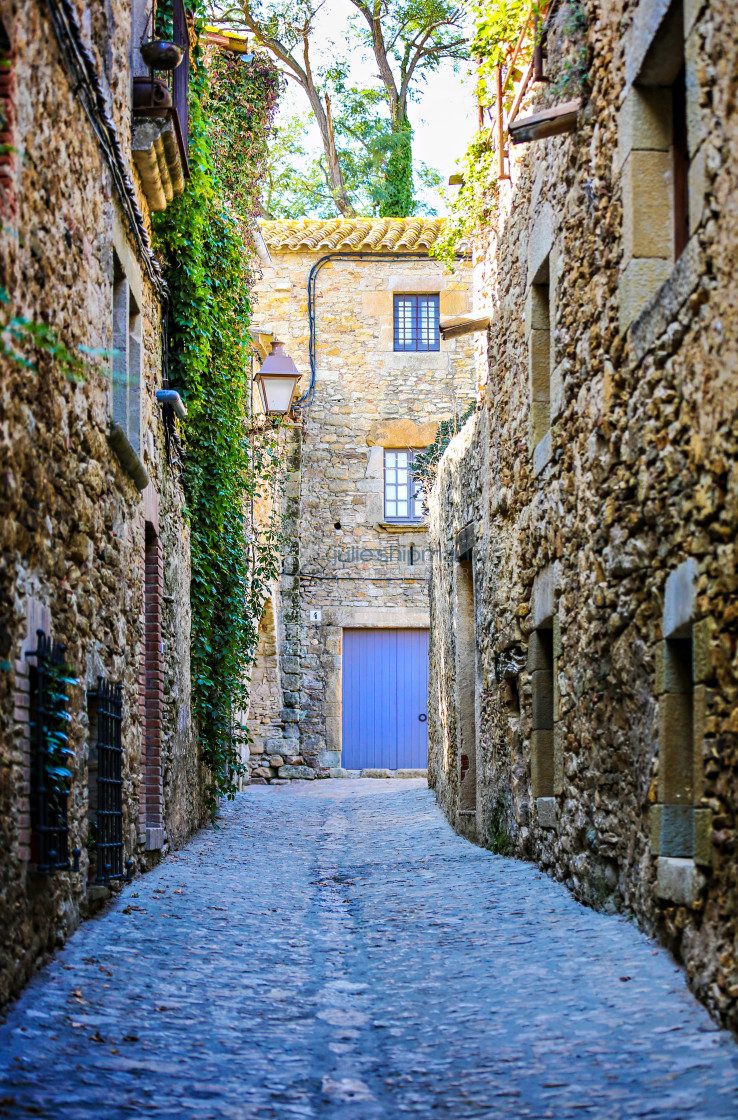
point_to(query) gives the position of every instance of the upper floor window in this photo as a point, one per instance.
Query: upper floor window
(403, 500)
(126, 358)
(416, 323)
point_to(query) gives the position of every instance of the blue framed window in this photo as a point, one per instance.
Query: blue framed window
(403, 499)
(416, 323)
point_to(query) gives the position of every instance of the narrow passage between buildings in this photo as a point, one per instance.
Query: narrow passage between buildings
(335, 950)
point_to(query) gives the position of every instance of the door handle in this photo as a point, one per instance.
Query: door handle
(423, 718)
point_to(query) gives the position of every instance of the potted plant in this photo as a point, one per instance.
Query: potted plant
(159, 54)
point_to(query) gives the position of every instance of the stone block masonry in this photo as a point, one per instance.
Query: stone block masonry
(93, 555)
(345, 565)
(511, 998)
(612, 762)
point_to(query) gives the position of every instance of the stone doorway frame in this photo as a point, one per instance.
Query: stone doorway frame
(336, 619)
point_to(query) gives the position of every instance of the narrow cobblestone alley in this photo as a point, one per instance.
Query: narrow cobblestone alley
(335, 950)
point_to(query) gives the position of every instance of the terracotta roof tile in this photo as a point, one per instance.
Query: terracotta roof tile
(353, 235)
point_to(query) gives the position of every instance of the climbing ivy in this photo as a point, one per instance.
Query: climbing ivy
(240, 97)
(397, 200)
(202, 239)
(425, 463)
(472, 206)
(497, 26)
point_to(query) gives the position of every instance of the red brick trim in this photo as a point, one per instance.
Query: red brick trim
(8, 157)
(21, 702)
(151, 688)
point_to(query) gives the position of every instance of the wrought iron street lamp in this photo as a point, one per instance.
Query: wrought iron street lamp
(277, 380)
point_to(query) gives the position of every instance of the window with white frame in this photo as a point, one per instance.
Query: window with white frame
(127, 349)
(403, 499)
(416, 323)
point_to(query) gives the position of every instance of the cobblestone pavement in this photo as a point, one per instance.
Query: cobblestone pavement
(336, 951)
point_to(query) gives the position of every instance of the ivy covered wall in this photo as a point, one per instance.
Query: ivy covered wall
(203, 238)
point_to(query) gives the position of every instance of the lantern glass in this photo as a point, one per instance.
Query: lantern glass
(277, 391)
(277, 380)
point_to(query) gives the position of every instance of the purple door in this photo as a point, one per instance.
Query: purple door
(385, 699)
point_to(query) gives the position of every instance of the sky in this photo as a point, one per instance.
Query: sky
(443, 119)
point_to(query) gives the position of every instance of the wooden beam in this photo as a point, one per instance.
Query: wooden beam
(522, 87)
(463, 324)
(516, 51)
(551, 122)
(228, 40)
(500, 128)
(464, 542)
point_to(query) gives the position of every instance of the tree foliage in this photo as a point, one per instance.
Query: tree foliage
(366, 133)
(240, 97)
(425, 463)
(497, 27)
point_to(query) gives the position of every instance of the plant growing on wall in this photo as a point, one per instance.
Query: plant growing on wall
(240, 97)
(499, 25)
(204, 241)
(425, 463)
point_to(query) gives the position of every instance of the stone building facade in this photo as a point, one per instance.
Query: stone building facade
(354, 565)
(584, 522)
(94, 548)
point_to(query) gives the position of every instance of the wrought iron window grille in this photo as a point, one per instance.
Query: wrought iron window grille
(50, 755)
(107, 756)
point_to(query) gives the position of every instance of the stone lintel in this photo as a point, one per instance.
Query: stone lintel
(402, 433)
(546, 810)
(127, 457)
(542, 453)
(678, 881)
(542, 598)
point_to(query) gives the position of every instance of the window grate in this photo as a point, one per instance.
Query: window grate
(403, 495)
(108, 701)
(50, 754)
(416, 324)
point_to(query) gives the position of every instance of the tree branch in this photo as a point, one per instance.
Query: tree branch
(304, 76)
(380, 53)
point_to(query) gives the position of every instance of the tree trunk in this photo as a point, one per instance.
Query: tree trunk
(397, 201)
(304, 77)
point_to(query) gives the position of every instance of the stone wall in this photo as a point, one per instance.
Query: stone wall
(345, 561)
(601, 484)
(73, 518)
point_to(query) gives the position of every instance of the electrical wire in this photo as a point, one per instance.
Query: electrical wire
(86, 85)
(308, 396)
